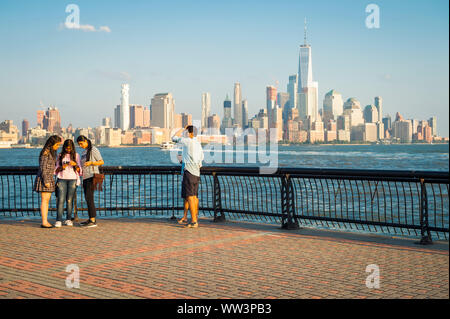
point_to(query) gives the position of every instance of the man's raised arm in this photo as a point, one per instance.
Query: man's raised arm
(177, 135)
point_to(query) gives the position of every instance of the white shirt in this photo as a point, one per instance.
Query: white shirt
(192, 155)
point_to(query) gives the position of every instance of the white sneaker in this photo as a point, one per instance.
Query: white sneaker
(58, 224)
(68, 222)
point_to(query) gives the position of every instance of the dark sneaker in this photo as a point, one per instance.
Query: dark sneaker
(90, 224)
(85, 222)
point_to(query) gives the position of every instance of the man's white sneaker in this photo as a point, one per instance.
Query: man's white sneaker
(68, 223)
(58, 224)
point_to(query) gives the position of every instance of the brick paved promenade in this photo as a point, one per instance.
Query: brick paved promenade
(155, 258)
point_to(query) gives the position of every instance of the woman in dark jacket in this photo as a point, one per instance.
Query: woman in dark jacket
(45, 181)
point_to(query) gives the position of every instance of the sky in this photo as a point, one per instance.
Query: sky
(191, 47)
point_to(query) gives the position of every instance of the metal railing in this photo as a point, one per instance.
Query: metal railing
(409, 203)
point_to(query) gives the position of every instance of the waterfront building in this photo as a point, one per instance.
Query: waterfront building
(113, 136)
(333, 106)
(9, 133)
(162, 110)
(370, 132)
(142, 137)
(127, 137)
(357, 133)
(330, 136)
(36, 135)
(428, 134)
(402, 129)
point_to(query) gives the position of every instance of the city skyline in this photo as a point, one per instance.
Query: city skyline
(395, 81)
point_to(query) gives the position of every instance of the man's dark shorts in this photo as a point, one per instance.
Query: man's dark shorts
(189, 185)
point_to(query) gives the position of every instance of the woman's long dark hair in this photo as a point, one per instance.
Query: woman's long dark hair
(48, 147)
(83, 138)
(73, 154)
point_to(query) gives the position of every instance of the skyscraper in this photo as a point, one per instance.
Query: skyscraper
(136, 116)
(227, 121)
(186, 119)
(237, 104)
(146, 117)
(40, 118)
(283, 103)
(308, 98)
(117, 117)
(244, 113)
(106, 122)
(379, 106)
(371, 114)
(25, 127)
(292, 89)
(214, 124)
(387, 121)
(433, 124)
(333, 106)
(206, 109)
(52, 120)
(352, 108)
(124, 107)
(162, 110)
(271, 102)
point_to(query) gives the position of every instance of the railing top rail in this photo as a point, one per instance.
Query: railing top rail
(428, 176)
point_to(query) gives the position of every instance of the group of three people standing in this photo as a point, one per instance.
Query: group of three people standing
(68, 168)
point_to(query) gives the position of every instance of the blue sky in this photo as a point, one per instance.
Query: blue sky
(191, 47)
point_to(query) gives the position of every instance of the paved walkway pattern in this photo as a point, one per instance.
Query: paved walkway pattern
(154, 258)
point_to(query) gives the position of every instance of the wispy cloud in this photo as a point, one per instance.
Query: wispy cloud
(84, 27)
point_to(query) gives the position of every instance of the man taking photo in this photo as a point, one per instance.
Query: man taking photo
(192, 157)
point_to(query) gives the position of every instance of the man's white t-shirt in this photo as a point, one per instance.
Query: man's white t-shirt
(192, 155)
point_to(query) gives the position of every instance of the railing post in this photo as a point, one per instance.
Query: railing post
(424, 226)
(217, 204)
(288, 220)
